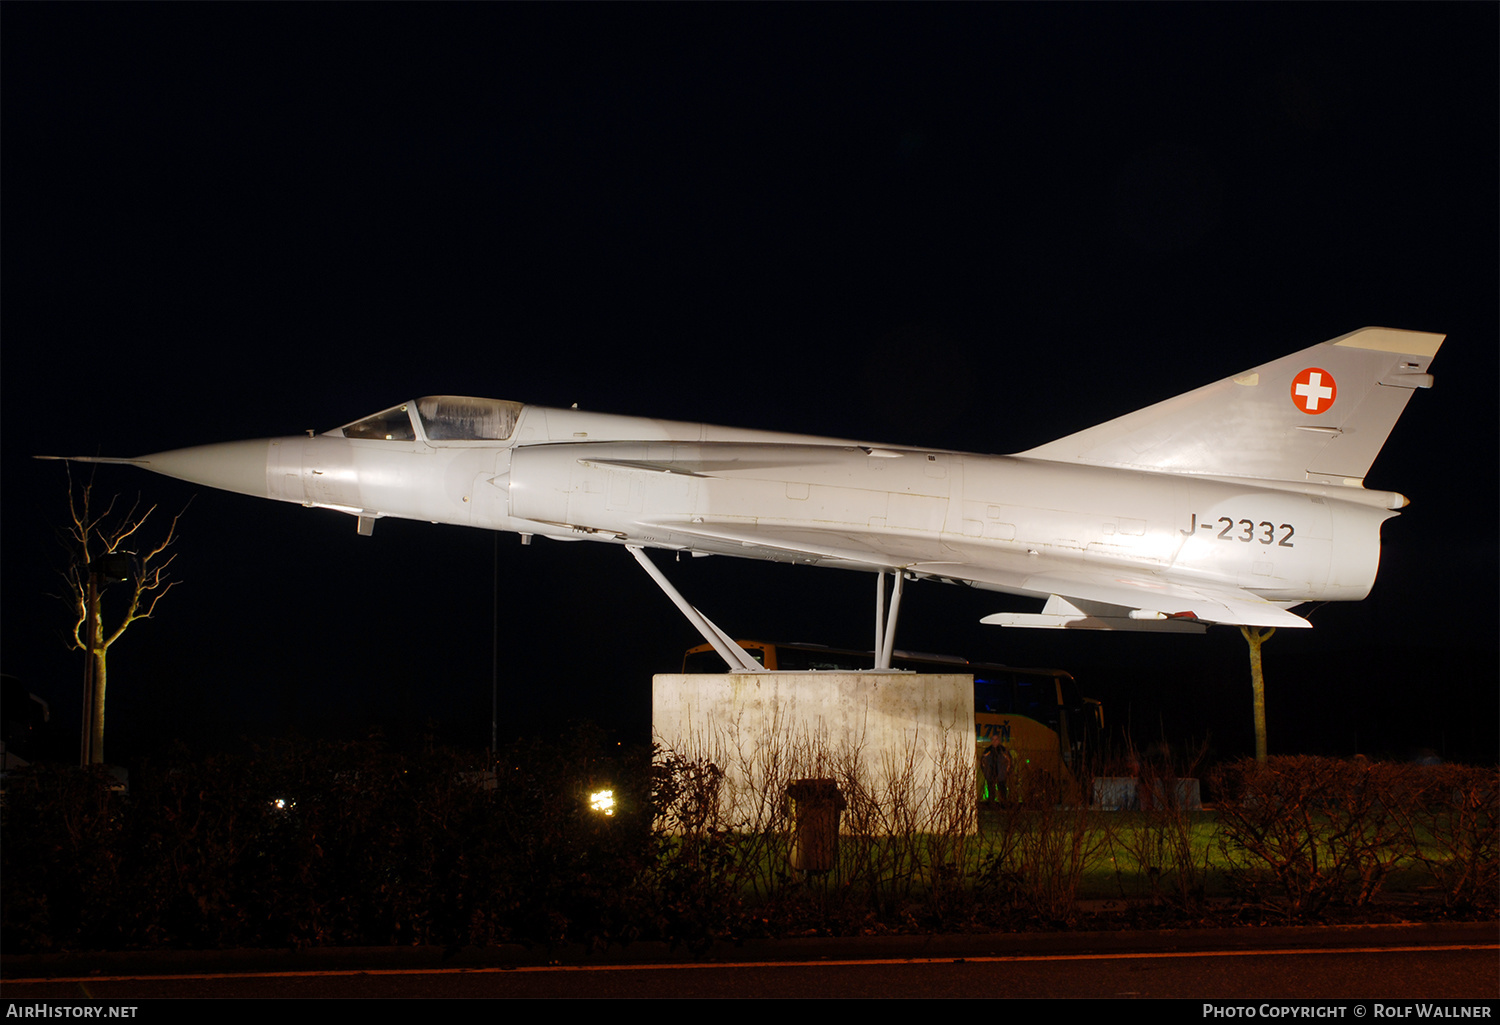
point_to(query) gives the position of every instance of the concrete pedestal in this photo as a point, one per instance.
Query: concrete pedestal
(901, 745)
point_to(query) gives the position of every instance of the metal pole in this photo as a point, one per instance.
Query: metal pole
(90, 675)
(495, 650)
(890, 627)
(86, 724)
(732, 654)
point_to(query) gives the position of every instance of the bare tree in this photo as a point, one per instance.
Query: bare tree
(104, 548)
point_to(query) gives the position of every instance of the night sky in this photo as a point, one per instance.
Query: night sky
(963, 226)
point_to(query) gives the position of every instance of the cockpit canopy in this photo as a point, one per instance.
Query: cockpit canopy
(442, 418)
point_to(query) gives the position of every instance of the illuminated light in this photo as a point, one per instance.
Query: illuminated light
(602, 801)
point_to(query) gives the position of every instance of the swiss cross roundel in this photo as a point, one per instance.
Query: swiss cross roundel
(1313, 390)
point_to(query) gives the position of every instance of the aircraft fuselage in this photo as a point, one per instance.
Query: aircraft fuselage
(1226, 504)
(570, 475)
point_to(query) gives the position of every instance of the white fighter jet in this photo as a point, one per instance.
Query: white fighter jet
(1229, 504)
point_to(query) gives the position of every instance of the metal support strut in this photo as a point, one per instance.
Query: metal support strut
(885, 625)
(738, 659)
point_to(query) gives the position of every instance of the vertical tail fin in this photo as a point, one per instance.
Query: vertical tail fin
(1321, 414)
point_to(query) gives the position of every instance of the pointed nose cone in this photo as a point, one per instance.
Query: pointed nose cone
(234, 466)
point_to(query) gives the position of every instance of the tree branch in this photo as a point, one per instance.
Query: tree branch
(88, 537)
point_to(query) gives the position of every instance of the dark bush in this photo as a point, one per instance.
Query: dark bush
(332, 844)
(1452, 814)
(1304, 834)
(327, 844)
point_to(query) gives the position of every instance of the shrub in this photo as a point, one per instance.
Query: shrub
(1452, 817)
(1331, 832)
